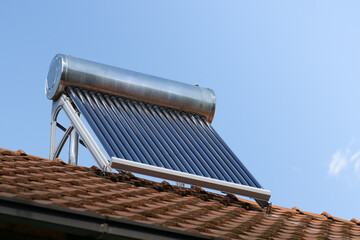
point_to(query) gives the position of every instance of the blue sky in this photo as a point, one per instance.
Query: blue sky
(286, 75)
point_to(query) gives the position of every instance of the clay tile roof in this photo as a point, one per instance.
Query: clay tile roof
(128, 197)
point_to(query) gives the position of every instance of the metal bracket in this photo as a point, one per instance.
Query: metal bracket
(269, 208)
(263, 203)
(256, 193)
(180, 184)
(64, 103)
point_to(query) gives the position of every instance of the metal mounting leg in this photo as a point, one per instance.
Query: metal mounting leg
(74, 148)
(54, 114)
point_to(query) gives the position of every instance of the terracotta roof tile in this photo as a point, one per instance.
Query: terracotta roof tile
(190, 209)
(355, 221)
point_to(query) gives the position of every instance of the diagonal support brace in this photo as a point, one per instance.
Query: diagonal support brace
(61, 144)
(64, 103)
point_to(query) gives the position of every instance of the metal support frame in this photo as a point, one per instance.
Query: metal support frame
(64, 103)
(256, 193)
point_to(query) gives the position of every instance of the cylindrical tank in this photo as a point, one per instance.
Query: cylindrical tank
(70, 71)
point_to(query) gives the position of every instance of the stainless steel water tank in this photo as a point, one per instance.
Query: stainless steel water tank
(70, 71)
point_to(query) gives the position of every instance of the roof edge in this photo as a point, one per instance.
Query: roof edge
(83, 223)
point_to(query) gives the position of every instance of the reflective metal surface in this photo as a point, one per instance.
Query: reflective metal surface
(70, 71)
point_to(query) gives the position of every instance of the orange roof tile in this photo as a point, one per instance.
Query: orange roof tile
(125, 196)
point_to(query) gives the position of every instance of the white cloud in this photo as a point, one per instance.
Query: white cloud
(355, 156)
(345, 160)
(339, 162)
(357, 166)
